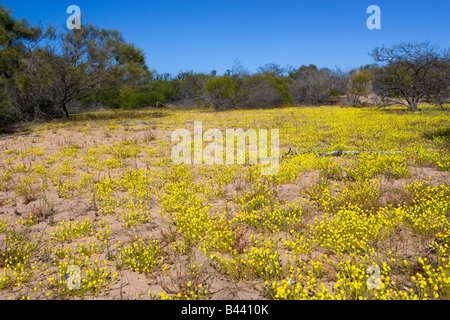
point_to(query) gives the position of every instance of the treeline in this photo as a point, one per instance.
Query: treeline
(45, 73)
(271, 86)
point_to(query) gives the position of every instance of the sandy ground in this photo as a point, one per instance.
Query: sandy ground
(130, 283)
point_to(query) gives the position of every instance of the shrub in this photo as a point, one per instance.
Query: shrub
(150, 95)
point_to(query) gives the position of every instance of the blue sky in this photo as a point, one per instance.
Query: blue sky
(210, 34)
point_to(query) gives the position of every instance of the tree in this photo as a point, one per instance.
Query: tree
(90, 60)
(358, 86)
(272, 69)
(17, 39)
(237, 70)
(311, 85)
(268, 88)
(440, 88)
(189, 87)
(223, 92)
(78, 64)
(410, 71)
(340, 80)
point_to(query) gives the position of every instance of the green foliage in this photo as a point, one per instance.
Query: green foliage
(223, 87)
(281, 84)
(359, 86)
(15, 36)
(153, 94)
(259, 90)
(97, 66)
(334, 92)
(223, 91)
(89, 63)
(190, 86)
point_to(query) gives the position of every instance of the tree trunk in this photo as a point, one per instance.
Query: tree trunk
(413, 106)
(412, 103)
(64, 110)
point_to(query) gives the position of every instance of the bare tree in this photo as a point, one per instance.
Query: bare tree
(237, 70)
(411, 71)
(272, 69)
(340, 81)
(311, 85)
(261, 91)
(439, 92)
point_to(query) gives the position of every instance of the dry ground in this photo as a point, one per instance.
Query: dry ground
(43, 153)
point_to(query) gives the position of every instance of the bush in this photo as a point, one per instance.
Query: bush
(266, 90)
(6, 110)
(223, 92)
(358, 86)
(157, 92)
(311, 85)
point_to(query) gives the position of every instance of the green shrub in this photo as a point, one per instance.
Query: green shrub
(150, 95)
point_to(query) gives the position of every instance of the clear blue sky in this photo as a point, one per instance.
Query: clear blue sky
(203, 35)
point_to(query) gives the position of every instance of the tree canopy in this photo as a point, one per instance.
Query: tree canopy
(411, 71)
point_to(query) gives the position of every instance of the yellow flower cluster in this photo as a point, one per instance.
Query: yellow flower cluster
(142, 257)
(68, 231)
(317, 229)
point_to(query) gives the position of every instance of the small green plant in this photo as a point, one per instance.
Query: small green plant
(68, 231)
(141, 257)
(26, 189)
(78, 277)
(134, 217)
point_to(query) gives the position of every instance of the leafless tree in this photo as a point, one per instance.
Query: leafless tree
(311, 85)
(411, 71)
(261, 92)
(272, 69)
(237, 70)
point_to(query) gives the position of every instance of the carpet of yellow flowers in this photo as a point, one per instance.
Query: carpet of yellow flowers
(94, 208)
